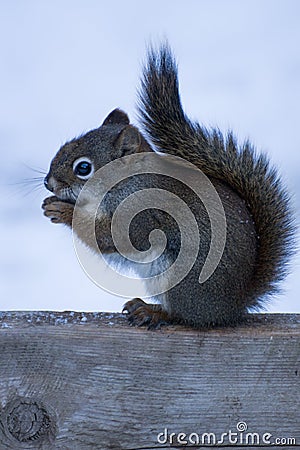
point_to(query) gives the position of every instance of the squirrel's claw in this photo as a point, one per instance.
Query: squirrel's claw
(140, 313)
(49, 200)
(132, 305)
(58, 211)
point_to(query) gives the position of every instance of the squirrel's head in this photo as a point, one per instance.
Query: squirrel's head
(77, 160)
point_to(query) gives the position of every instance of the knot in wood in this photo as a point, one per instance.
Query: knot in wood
(28, 421)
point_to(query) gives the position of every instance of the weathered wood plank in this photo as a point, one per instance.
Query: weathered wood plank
(83, 380)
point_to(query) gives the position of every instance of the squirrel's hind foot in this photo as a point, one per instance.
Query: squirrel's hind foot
(140, 313)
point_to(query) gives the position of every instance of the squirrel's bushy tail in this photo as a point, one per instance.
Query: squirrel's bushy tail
(241, 168)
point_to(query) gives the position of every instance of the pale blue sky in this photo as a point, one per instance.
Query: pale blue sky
(66, 64)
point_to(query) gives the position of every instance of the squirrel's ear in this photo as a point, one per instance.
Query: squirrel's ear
(129, 141)
(117, 116)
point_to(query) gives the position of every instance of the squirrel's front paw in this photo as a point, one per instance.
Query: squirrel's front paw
(58, 211)
(140, 313)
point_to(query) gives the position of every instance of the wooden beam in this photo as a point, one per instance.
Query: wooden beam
(88, 380)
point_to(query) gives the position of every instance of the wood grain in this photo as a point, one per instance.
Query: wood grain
(89, 380)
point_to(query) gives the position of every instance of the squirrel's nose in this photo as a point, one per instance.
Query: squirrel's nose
(47, 184)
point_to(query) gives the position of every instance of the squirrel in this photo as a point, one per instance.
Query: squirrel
(260, 229)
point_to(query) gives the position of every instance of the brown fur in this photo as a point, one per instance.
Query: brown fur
(248, 174)
(259, 222)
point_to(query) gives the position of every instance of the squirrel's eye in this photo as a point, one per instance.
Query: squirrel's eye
(83, 168)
